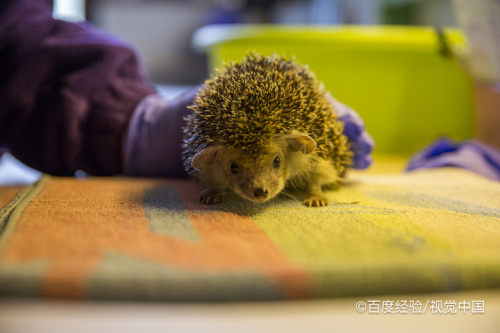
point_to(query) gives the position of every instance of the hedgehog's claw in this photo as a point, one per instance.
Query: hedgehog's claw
(316, 202)
(212, 198)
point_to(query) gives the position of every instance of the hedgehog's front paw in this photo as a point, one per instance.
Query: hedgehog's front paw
(316, 201)
(212, 198)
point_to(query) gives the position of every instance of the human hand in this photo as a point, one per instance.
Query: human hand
(362, 143)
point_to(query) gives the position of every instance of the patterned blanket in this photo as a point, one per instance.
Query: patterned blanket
(118, 238)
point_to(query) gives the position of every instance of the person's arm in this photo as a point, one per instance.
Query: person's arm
(67, 91)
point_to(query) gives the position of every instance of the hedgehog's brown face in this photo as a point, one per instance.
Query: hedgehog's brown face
(257, 177)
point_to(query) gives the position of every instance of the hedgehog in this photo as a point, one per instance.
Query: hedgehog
(261, 125)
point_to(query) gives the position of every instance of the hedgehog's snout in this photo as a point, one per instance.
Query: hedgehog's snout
(260, 193)
(257, 190)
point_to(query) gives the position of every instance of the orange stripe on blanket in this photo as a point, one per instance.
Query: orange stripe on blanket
(7, 193)
(76, 223)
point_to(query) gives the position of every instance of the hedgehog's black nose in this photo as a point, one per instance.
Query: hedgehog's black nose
(260, 193)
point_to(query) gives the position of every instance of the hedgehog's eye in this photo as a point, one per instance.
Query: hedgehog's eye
(235, 168)
(277, 162)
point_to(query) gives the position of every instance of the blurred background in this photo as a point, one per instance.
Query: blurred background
(397, 63)
(162, 30)
(162, 33)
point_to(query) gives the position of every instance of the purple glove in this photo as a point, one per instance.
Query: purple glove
(362, 143)
(153, 144)
(471, 155)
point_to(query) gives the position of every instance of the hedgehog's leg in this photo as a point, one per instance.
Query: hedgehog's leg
(212, 196)
(316, 198)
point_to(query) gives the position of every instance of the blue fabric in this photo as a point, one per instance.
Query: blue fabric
(471, 155)
(362, 143)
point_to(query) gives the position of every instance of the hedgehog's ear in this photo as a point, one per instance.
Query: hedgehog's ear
(300, 141)
(204, 157)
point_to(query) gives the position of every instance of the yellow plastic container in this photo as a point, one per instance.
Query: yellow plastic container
(398, 79)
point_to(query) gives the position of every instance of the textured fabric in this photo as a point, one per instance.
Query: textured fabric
(425, 231)
(472, 155)
(153, 144)
(67, 91)
(7, 194)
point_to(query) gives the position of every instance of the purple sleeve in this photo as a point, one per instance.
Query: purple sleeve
(67, 91)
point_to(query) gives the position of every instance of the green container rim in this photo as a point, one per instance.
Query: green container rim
(367, 38)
